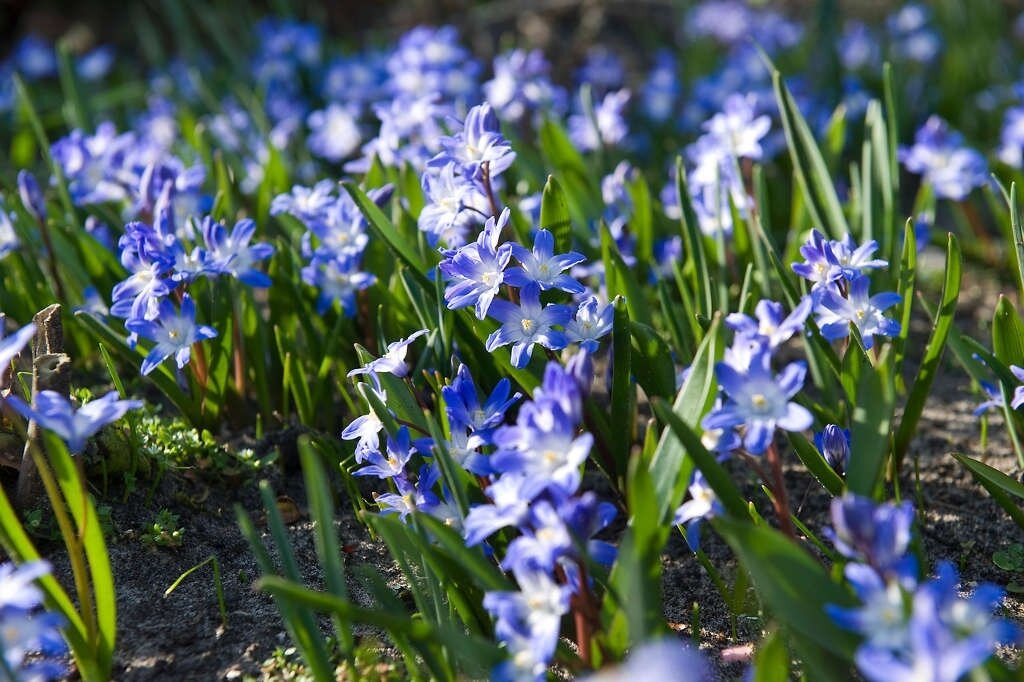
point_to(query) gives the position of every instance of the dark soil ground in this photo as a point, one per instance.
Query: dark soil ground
(181, 637)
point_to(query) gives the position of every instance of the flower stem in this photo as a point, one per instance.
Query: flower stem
(779, 488)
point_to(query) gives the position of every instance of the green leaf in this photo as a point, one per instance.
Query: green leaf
(642, 222)
(18, 546)
(670, 468)
(811, 171)
(76, 111)
(1000, 486)
(792, 585)
(771, 662)
(652, 361)
(623, 390)
(816, 464)
(907, 277)
(328, 550)
(933, 352)
(621, 279)
(634, 600)
(1018, 235)
(717, 477)
(1007, 333)
(387, 231)
(870, 425)
(559, 150)
(554, 215)
(72, 486)
(694, 241)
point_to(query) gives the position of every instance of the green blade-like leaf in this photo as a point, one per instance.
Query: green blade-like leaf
(811, 171)
(717, 477)
(623, 392)
(870, 425)
(790, 583)
(670, 468)
(554, 215)
(328, 549)
(933, 352)
(90, 531)
(816, 464)
(387, 231)
(1000, 486)
(651, 361)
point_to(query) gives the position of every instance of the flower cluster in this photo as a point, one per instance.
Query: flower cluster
(476, 273)
(535, 488)
(334, 241)
(836, 269)
(163, 267)
(459, 182)
(30, 638)
(911, 629)
(715, 181)
(522, 86)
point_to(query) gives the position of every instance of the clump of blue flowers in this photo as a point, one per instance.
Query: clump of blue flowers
(911, 629)
(30, 639)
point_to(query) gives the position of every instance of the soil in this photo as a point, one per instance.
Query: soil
(181, 637)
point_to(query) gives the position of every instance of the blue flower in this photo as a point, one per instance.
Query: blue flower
(452, 205)
(478, 145)
(542, 267)
(946, 636)
(477, 271)
(308, 204)
(8, 237)
(411, 497)
(876, 534)
(738, 128)
(464, 410)
(995, 398)
(1018, 392)
(545, 541)
(391, 465)
(337, 279)
(31, 195)
(602, 70)
(606, 128)
(393, 360)
(174, 333)
(542, 446)
(820, 265)
(836, 313)
(231, 253)
(591, 322)
(522, 84)
(940, 155)
(834, 444)
(509, 507)
(703, 504)
(668, 658)
(54, 412)
(11, 345)
(760, 401)
(528, 623)
(771, 327)
(882, 616)
(661, 90)
(527, 324)
(26, 629)
(333, 132)
(95, 64)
